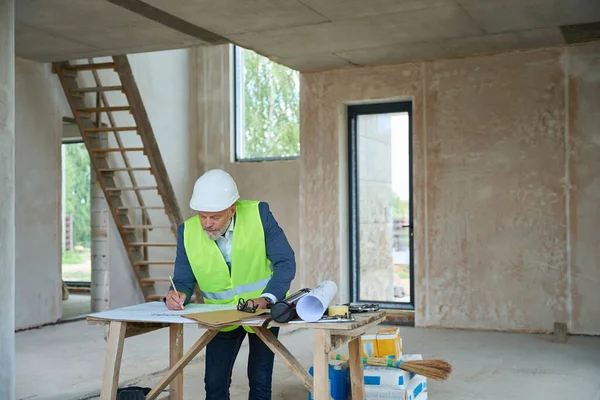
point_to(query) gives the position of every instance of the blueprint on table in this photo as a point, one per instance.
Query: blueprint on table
(156, 311)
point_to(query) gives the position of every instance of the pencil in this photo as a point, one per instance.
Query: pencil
(175, 289)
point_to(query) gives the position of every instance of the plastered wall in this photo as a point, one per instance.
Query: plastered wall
(276, 182)
(506, 154)
(38, 129)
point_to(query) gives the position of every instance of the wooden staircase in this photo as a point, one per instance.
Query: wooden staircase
(128, 165)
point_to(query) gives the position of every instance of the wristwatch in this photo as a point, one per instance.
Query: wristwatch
(269, 301)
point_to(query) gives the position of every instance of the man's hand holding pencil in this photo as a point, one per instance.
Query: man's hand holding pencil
(175, 299)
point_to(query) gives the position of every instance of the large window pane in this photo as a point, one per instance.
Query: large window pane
(267, 108)
(76, 261)
(380, 168)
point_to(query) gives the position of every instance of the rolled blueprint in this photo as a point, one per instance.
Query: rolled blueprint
(312, 306)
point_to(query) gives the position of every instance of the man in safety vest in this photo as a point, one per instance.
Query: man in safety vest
(233, 249)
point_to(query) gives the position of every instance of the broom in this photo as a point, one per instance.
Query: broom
(434, 369)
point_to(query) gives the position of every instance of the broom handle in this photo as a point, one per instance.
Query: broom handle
(381, 362)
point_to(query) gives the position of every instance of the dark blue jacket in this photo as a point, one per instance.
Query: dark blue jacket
(279, 252)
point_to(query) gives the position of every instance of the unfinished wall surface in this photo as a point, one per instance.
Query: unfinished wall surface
(584, 178)
(38, 174)
(7, 198)
(505, 166)
(276, 182)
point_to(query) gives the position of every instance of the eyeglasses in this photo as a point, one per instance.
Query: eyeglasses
(246, 306)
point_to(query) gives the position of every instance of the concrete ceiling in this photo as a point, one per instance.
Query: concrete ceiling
(306, 35)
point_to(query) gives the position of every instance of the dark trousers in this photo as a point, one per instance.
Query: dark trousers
(221, 353)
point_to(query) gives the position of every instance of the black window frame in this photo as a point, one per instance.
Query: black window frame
(353, 112)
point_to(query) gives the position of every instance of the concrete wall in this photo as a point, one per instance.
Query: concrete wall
(276, 182)
(7, 198)
(38, 205)
(506, 163)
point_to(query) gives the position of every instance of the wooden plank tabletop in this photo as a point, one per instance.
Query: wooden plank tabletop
(361, 319)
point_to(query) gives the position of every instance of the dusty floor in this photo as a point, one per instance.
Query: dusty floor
(76, 306)
(65, 362)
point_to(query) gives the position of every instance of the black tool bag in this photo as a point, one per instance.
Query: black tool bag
(283, 311)
(132, 393)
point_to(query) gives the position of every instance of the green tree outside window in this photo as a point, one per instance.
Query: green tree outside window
(267, 108)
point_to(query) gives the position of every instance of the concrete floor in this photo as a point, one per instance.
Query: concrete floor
(76, 306)
(65, 362)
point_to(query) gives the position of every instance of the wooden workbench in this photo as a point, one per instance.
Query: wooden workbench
(327, 337)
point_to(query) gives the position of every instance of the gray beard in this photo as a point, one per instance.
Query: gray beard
(221, 232)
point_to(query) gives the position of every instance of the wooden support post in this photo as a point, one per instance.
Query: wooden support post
(175, 354)
(280, 351)
(178, 367)
(356, 369)
(321, 365)
(112, 363)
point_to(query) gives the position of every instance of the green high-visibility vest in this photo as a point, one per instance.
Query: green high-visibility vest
(250, 267)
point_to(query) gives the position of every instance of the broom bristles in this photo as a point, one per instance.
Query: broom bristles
(434, 369)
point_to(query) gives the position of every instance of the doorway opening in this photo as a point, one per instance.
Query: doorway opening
(381, 204)
(76, 266)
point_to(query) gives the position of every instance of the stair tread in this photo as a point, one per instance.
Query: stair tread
(124, 169)
(97, 89)
(141, 208)
(131, 188)
(154, 297)
(114, 128)
(154, 280)
(115, 149)
(101, 109)
(90, 66)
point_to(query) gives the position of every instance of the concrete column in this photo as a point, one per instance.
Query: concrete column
(7, 198)
(100, 245)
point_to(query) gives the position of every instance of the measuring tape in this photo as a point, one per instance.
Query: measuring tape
(336, 310)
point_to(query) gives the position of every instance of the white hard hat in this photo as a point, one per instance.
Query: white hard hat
(214, 191)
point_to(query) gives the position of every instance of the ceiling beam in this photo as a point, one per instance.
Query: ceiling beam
(171, 21)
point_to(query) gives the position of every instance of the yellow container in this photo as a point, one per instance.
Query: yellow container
(389, 343)
(369, 345)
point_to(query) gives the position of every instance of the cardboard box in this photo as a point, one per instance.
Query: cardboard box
(369, 345)
(416, 386)
(390, 378)
(416, 390)
(389, 343)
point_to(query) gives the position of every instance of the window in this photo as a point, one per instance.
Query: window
(76, 215)
(381, 223)
(267, 99)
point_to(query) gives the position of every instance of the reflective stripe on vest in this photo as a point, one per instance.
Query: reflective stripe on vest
(248, 287)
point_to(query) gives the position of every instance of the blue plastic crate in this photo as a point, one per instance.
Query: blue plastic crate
(338, 382)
